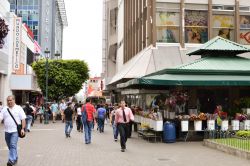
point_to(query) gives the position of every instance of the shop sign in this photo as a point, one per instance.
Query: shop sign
(17, 43)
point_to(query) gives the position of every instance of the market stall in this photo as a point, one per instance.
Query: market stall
(220, 77)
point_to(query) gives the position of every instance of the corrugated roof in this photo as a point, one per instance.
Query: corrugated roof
(219, 46)
(212, 65)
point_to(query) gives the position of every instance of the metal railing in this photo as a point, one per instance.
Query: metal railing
(228, 138)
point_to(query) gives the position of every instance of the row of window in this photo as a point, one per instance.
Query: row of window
(24, 2)
(196, 25)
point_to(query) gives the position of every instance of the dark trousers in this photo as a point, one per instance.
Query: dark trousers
(101, 124)
(79, 123)
(123, 129)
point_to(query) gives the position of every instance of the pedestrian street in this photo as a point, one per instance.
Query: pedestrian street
(46, 145)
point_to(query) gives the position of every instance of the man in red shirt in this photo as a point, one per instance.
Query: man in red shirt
(90, 110)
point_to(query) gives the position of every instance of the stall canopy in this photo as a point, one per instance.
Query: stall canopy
(219, 46)
(211, 70)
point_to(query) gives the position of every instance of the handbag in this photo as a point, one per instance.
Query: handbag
(19, 127)
(84, 115)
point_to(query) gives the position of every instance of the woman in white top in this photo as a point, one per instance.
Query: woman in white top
(79, 117)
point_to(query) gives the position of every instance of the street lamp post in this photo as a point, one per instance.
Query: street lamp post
(47, 54)
(57, 55)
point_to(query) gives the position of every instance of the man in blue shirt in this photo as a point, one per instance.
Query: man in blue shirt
(54, 110)
(101, 113)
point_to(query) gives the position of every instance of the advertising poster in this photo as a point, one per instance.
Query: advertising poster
(245, 29)
(196, 26)
(167, 26)
(224, 25)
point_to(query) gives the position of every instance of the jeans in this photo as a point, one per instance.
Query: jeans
(68, 127)
(123, 130)
(101, 124)
(87, 131)
(28, 122)
(11, 141)
(115, 130)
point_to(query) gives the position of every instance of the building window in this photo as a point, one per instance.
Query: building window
(168, 22)
(113, 21)
(196, 26)
(167, 27)
(223, 25)
(244, 29)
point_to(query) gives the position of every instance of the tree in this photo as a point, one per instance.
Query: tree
(65, 77)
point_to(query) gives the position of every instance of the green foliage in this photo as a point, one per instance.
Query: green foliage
(65, 77)
(245, 102)
(243, 133)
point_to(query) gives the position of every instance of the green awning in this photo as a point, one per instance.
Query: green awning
(188, 80)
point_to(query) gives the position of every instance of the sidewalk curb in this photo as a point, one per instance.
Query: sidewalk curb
(227, 149)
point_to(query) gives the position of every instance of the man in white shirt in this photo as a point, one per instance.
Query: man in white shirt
(62, 107)
(11, 135)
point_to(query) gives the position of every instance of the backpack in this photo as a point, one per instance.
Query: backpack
(84, 115)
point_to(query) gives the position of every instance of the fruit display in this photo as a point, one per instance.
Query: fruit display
(201, 116)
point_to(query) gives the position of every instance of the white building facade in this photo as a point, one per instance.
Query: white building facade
(16, 76)
(156, 34)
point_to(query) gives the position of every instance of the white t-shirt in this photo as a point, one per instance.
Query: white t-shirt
(79, 111)
(9, 123)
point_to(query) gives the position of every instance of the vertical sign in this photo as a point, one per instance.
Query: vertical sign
(17, 43)
(47, 31)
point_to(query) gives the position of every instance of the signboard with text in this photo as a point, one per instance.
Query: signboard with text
(17, 43)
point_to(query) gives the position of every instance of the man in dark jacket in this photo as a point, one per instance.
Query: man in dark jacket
(68, 115)
(28, 111)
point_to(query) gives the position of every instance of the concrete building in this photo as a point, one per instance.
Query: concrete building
(46, 19)
(151, 35)
(16, 75)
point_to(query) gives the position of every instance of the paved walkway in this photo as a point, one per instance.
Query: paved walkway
(46, 145)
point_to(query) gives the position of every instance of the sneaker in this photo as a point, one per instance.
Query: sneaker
(115, 139)
(122, 150)
(9, 163)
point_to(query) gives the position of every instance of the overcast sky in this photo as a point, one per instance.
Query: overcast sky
(83, 37)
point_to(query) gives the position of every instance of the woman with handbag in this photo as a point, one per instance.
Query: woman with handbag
(13, 115)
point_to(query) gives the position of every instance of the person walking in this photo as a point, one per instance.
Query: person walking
(68, 116)
(88, 124)
(11, 135)
(79, 117)
(54, 110)
(62, 107)
(122, 118)
(28, 111)
(112, 121)
(101, 113)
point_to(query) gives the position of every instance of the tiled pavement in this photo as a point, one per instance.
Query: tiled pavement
(46, 145)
